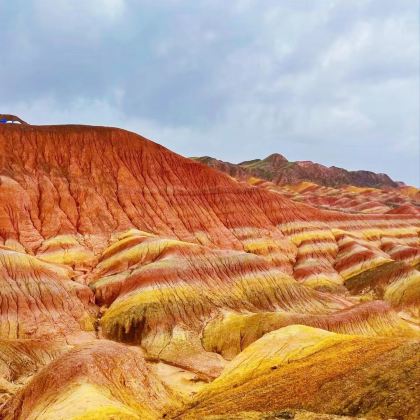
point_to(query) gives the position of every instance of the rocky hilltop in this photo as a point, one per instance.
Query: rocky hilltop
(326, 188)
(138, 284)
(277, 169)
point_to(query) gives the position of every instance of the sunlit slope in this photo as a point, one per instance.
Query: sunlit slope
(348, 198)
(307, 368)
(93, 381)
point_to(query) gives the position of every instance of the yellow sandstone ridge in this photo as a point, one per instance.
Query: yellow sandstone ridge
(303, 367)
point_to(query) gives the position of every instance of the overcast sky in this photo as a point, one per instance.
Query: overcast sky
(336, 82)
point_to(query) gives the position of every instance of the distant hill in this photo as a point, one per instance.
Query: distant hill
(277, 169)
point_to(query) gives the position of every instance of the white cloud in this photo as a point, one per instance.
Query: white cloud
(62, 9)
(79, 18)
(110, 8)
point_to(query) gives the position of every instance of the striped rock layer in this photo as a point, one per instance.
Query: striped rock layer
(348, 198)
(135, 283)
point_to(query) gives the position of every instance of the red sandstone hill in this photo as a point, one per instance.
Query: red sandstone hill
(138, 284)
(277, 169)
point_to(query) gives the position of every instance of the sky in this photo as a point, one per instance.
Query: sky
(332, 81)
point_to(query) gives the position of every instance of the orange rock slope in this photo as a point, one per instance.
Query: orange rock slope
(349, 199)
(136, 283)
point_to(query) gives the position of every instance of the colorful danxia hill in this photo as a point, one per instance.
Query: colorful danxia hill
(324, 187)
(139, 284)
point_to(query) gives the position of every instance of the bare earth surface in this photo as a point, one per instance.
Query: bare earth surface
(138, 284)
